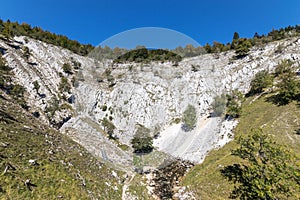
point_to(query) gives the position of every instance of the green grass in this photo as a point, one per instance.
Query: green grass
(205, 180)
(64, 169)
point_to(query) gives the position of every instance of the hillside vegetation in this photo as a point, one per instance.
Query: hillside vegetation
(38, 162)
(282, 122)
(148, 55)
(113, 106)
(10, 29)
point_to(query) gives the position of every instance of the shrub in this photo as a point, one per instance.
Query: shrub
(17, 90)
(64, 85)
(36, 86)
(109, 127)
(261, 80)
(233, 104)
(52, 107)
(289, 88)
(26, 52)
(219, 105)
(142, 142)
(67, 68)
(104, 108)
(285, 66)
(189, 118)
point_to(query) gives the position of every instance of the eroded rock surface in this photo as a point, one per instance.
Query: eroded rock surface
(152, 95)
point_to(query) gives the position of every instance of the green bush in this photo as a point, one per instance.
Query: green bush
(262, 80)
(52, 107)
(285, 66)
(26, 52)
(36, 86)
(289, 88)
(219, 105)
(64, 85)
(109, 127)
(17, 90)
(189, 118)
(142, 142)
(104, 108)
(233, 104)
(146, 55)
(67, 68)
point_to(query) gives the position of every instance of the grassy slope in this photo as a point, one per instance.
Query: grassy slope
(64, 168)
(138, 188)
(206, 181)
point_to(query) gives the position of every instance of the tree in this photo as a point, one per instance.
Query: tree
(267, 170)
(233, 108)
(36, 86)
(26, 52)
(217, 47)
(288, 84)
(233, 104)
(17, 90)
(64, 85)
(67, 68)
(219, 105)
(236, 36)
(235, 40)
(208, 48)
(256, 35)
(189, 118)
(6, 31)
(189, 50)
(142, 142)
(284, 67)
(109, 127)
(289, 88)
(242, 47)
(261, 80)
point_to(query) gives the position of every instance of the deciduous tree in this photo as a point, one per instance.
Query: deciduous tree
(267, 170)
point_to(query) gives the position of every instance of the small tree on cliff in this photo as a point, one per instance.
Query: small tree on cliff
(189, 118)
(142, 142)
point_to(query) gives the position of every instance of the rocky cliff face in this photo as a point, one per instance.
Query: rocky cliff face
(152, 95)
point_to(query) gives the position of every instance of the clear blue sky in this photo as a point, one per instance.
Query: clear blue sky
(93, 21)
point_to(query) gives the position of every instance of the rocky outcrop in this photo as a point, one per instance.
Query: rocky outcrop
(155, 95)
(43, 66)
(165, 180)
(152, 95)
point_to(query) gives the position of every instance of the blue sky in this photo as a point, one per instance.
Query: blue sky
(92, 21)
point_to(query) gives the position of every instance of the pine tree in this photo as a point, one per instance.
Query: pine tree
(6, 31)
(236, 36)
(289, 88)
(242, 48)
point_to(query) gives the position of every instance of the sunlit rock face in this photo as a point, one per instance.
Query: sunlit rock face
(152, 95)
